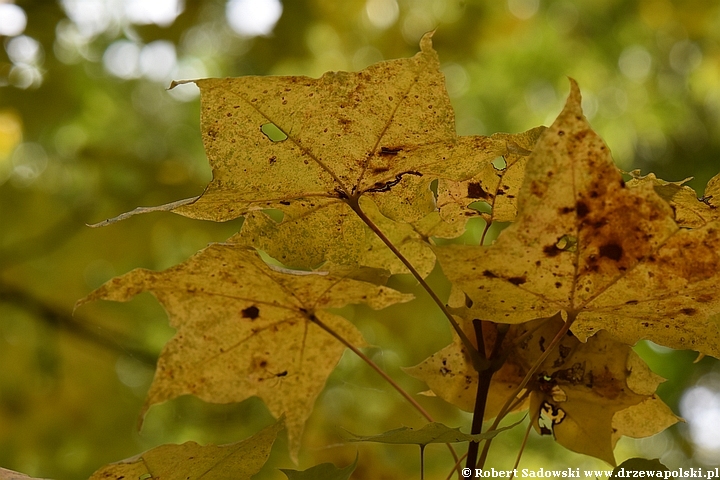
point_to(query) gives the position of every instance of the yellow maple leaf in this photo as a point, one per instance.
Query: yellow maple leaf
(313, 147)
(190, 461)
(245, 329)
(587, 395)
(583, 243)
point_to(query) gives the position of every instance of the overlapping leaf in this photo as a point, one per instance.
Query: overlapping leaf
(6, 474)
(689, 210)
(190, 461)
(245, 329)
(586, 394)
(304, 146)
(431, 433)
(324, 471)
(496, 185)
(585, 244)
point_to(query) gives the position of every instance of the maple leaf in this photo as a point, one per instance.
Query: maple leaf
(610, 257)
(191, 461)
(496, 185)
(244, 329)
(587, 395)
(6, 474)
(312, 240)
(324, 471)
(312, 147)
(689, 211)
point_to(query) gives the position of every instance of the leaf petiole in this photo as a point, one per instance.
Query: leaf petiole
(311, 316)
(479, 363)
(528, 376)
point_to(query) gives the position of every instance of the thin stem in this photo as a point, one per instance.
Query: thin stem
(380, 372)
(485, 231)
(522, 448)
(528, 376)
(478, 362)
(484, 380)
(455, 467)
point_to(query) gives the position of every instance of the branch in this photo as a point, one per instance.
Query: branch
(62, 320)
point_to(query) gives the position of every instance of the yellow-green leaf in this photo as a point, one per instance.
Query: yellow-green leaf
(191, 461)
(246, 329)
(498, 186)
(336, 236)
(431, 433)
(324, 471)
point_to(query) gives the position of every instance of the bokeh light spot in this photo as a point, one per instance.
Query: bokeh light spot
(523, 9)
(700, 406)
(253, 17)
(158, 60)
(13, 20)
(159, 12)
(382, 13)
(635, 63)
(121, 59)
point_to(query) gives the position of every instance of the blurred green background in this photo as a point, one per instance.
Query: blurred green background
(88, 130)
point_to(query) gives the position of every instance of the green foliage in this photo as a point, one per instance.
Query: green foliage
(324, 471)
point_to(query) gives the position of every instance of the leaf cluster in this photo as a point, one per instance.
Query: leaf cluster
(352, 177)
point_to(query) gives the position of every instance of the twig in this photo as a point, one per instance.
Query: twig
(478, 362)
(59, 319)
(380, 372)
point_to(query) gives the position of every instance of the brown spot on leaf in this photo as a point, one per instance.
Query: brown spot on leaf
(489, 274)
(392, 151)
(475, 190)
(688, 311)
(582, 209)
(251, 312)
(517, 280)
(551, 250)
(613, 251)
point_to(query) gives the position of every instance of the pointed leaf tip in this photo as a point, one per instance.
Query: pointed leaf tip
(574, 100)
(426, 42)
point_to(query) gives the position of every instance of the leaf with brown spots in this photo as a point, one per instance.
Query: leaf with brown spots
(495, 184)
(690, 211)
(310, 147)
(335, 236)
(586, 387)
(244, 329)
(583, 243)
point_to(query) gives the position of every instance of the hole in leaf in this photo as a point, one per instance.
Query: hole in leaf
(499, 163)
(273, 133)
(275, 214)
(434, 188)
(567, 243)
(482, 207)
